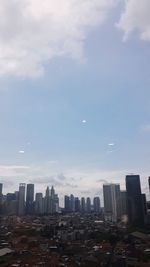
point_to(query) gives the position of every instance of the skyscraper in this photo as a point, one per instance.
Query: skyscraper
(88, 205)
(51, 201)
(111, 193)
(123, 201)
(96, 204)
(1, 196)
(83, 206)
(72, 203)
(67, 203)
(29, 198)
(21, 204)
(39, 203)
(77, 204)
(47, 201)
(134, 200)
(149, 183)
(1, 189)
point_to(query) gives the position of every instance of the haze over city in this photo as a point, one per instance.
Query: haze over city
(74, 94)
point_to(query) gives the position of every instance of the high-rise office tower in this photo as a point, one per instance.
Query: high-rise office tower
(56, 203)
(52, 192)
(72, 203)
(67, 203)
(134, 200)
(39, 203)
(111, 193)
(1, 197)
(96, 204)
(88, 205)
(149, 182)
(144, 204)
(29, 198)
(1, 189)
(47, 201)
(123, 202)
(51, 201)
(77, 204)
(83, 205)
(21, 204)
(11, 204)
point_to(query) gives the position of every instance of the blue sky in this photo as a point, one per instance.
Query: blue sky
(75, 106)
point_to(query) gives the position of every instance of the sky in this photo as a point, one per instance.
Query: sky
(74, 94)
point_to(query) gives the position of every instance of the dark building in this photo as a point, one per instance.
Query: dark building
(149, 182)
(96, 204)
(88, 205)
(67, 203)
(135, 207)
(123, 203)
(21, 199)
(77, 204)
(144, 203)
(29, 198)
(83, 205)
(11, 204)
(1, 197)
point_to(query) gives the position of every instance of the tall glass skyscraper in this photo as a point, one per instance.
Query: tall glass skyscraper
(1, 196)
(135, 205)
(29, 198)
(21, 204)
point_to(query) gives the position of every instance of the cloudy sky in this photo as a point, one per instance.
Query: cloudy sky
(74, 93)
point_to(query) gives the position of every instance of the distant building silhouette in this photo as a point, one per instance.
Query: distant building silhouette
(21, 204)
(83, 205)
(1, 197)
(39, 209)
(67, 203)
(123, 202)
(77, 204)
(135, 205)
(88, 205)
(96, 204)
(30, 199)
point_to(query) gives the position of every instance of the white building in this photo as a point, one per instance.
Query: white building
(112, 203)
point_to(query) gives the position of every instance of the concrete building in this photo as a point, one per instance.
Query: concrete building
(88, 205)
(51, 201)
(123, 197)
(96, 204)
(1, 197)
(83, 205)
(21, 202)
(77, 204)
(112, 208)
(136, 213)
(30, 199)
(67, 203)
(72, 203)
(39, 203)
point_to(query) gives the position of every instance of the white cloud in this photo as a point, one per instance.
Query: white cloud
(135, 17)
(83, 121)
(111, 144)
(13, 170)
(21, 151)
(32, 32)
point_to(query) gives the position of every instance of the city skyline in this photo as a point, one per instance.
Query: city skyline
(30, 191)
(74, 93)
(128, 206)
